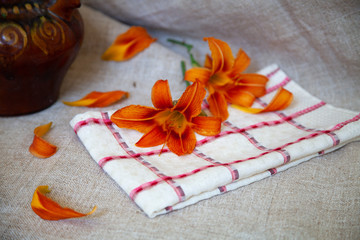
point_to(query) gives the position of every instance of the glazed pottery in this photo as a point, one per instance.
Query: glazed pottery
(38, 42)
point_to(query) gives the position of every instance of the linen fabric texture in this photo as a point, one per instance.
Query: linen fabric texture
(314, 42)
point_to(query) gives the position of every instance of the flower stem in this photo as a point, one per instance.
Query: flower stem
(189, 47)
(183, 70)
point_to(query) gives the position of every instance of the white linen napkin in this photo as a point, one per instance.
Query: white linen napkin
(249, 148)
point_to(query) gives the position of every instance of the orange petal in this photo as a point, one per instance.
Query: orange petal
(160, 95)
(98, 99)
(128, 44)
(48, 209)
(182, 144)
(42, 130)
(252, 78)
(154, 137)
(221, 54)
(208, 62)
(281, 100)
(220, 79)
(190, 102)
(135, 117)
(207, 126)
(39, 147)
(254, 83)
(200, 74)
(218, 105)
(238, 96)
(242, 61)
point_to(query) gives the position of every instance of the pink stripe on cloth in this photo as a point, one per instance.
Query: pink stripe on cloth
(104, 160)
(256, 143)
(277, 86)
(263, 124)
(233, 171)
(273, 171)
(272, 73)
(150, 184)
(333, 136)
(90, 120)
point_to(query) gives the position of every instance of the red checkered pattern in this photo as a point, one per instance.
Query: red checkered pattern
(203, 158)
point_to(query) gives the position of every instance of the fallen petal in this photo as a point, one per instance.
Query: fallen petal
(128, 44)
(48, 209)
(281, 100)
(98, 99)
(41, 130)
(39, 147)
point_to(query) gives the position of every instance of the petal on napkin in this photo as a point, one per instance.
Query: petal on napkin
(98, 99)
(39, 147)
(128, 44)
(48, 209)
(281, 100)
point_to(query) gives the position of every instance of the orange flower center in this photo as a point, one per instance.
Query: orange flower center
(172, 121)
(220, 79)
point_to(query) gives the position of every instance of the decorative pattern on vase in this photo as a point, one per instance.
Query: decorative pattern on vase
(13, 41)
(48, 35)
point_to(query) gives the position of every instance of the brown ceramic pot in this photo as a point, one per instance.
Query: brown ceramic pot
(38, 42)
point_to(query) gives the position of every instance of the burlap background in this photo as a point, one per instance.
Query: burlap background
(316, 43)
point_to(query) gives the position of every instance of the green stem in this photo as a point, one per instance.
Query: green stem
(189, 47)
(183, 70)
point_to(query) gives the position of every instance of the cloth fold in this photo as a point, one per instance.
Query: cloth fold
(249, 148)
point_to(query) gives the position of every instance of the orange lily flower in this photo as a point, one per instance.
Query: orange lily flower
(128, 44)
(98, 99)
(39, 147)
(167, 123)
(223, 76)
(48, 209)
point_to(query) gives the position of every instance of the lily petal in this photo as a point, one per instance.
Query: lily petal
(254, 83)
(48, 209)
(252, 78)
(153, 138)
(208, 62)
(218, 105)
(161, 96)
(42, 130)
(242, 61)
(39, 147)
(128, 44)
(135, 117)
(182, 144)
(221, 54)
(190, 102)
(281, 100)
(98, 99)
(206, 126)
(238, 96)
(200, 74)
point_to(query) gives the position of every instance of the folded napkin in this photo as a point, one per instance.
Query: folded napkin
(249, 148)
